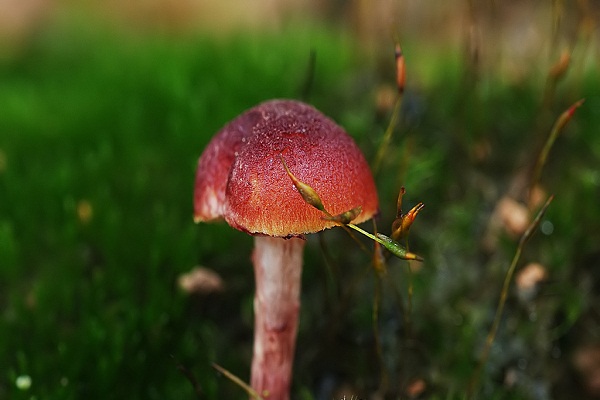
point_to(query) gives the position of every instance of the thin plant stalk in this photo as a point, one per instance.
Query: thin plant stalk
(384, 380)
(400, 83)
(387, 136)
(391, 245)
(409, 299)
(558, 7)
(332, 273)
(503, 295)
(191, 378)
(233, 378)
(558, 126)
(555, 75)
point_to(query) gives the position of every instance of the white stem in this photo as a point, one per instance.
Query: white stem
(278, 271)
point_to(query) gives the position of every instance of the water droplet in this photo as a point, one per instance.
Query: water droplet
(533, 316)
(547, 228)
(23, 382)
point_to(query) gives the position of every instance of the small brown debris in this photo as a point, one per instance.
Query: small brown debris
(513, 215)
(200, 280)
(416, 388)
(481, 150)
(559, 69)
(509, 216)
(537, 197)
(586, 360)
(529, 278)
(85, 211)
(385, 98)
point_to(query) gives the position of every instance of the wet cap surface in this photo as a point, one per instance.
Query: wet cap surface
(242, 179)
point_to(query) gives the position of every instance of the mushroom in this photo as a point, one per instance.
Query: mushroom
(241, 178)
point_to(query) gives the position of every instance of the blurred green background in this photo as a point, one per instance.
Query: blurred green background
(105, 109)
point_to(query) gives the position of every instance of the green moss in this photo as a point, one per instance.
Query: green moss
(99, 137)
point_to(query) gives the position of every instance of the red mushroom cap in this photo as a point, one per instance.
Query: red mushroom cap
(241, 177)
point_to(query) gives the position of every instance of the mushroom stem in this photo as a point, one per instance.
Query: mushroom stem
(278, 271)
